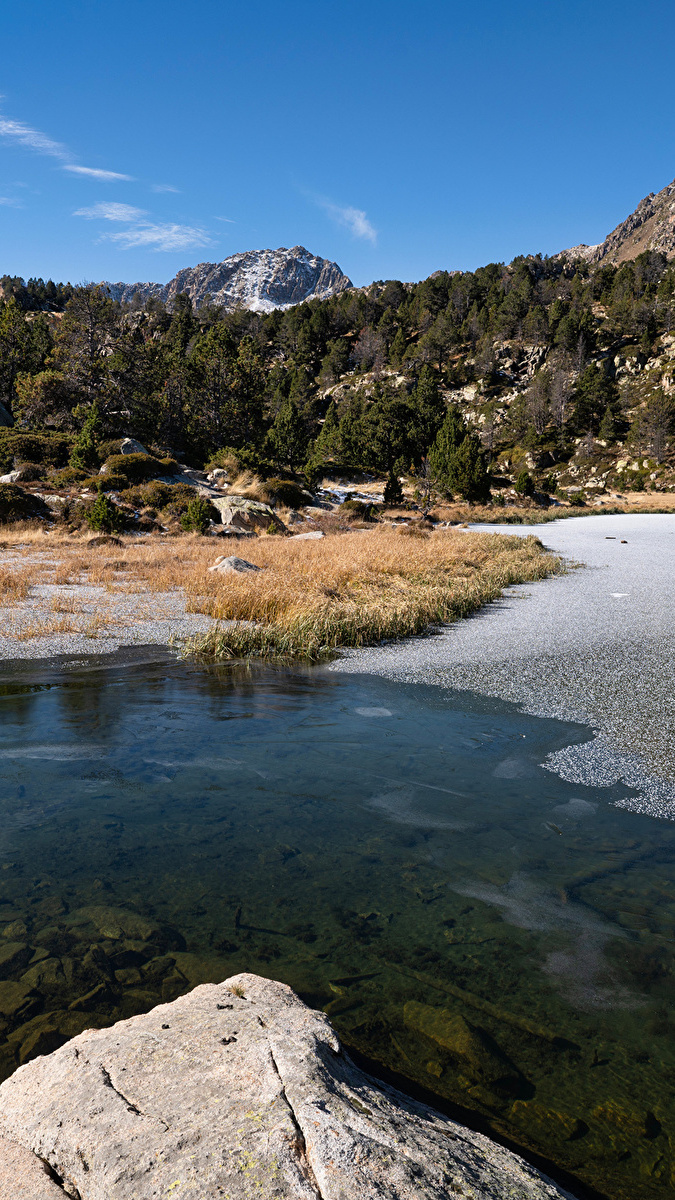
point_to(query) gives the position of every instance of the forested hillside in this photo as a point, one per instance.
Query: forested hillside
(551, 373)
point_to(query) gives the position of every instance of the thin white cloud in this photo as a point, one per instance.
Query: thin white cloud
(160, 237)
(165, 187)
(110, 212)
(97, 173)
(16, 131)
(353, 219)
(33, 139)
(228, 219)
(8, 202)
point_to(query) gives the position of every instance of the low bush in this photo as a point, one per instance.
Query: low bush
(284, 491)
(69, 476)
(18, 505)
(29, 472)
(111, 483)
(358, 508)
(48, 449)
(106, 449)
(198, 515)
(169, 497)
(104, 516)
(137, 468)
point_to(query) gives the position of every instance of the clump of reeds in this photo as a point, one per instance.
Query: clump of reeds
(356, 590)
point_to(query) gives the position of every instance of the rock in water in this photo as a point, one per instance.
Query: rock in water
(226, 566)
(238, 1089)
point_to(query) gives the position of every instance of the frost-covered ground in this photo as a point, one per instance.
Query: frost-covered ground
(596, 645)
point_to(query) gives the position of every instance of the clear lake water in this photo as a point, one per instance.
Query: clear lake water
(472, 924)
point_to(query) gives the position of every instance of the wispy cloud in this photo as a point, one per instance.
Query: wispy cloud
(23, 135)
(97, 173)
(229, 220)
(33, 139)
(165, 187)
(110, 211)
(8, 202)
(353, 219)
(160, 237)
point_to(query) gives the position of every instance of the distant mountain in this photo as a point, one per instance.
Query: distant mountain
(650, 227)
(260, 280)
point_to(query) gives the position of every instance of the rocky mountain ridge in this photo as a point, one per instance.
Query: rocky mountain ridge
(259, 280)
(650, 227)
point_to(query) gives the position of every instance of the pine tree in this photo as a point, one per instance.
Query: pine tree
(84, 455)
(468, 473)
(428, 409)
(398, 348)
(288, 435)
(448, 440)
(609, 429)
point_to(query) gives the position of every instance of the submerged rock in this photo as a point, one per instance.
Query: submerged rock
(238, 1089)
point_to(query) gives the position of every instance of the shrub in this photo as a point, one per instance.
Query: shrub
(111, 483)
(68, 476)
(284, 491)
(136, 468)
(109, 447)
(227, 458)
(357, 508)
(18, 505)
(50, 449)
(198, 515)
(172, 497)
(525, 484)
(29, 472)
(104, 516)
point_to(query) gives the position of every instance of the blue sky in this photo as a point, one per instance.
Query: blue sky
(396, 138)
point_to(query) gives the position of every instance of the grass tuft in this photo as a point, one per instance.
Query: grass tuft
(348, 591)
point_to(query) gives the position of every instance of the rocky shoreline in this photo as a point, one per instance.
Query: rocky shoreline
(235, 1090)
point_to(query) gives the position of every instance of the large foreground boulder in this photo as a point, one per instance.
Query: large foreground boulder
(238, 1090)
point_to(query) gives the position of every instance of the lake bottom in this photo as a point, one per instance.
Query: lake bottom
(396, 853)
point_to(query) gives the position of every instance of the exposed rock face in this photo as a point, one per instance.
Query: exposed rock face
(260, 280)
(237, 1090)
(650, 227)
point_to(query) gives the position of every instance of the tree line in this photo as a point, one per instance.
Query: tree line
(359, 381)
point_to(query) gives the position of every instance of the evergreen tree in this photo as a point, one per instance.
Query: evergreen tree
(84, 455)
(595, 391)
(448, 440)
(428, 410)
(393, 492)
(609, 426)
(397, 350)
(288, 435)
(468, 473)
(524, 484)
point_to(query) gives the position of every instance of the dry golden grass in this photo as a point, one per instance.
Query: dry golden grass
(357, 589)
(347, 589)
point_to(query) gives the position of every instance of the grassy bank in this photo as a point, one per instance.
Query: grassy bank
(314, 597)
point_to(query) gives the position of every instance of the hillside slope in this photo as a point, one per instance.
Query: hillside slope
(650, 227)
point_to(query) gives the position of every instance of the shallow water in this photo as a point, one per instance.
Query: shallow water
(396, 853)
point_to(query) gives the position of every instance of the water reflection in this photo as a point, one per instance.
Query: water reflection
(468, 919)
